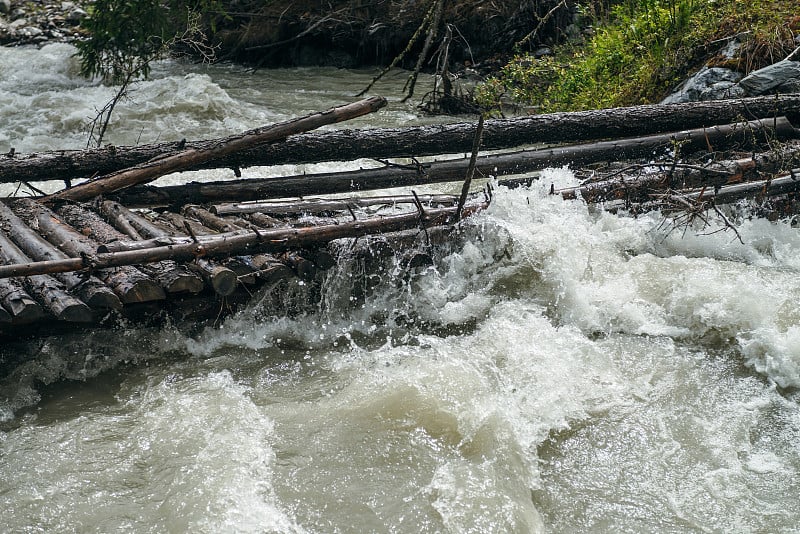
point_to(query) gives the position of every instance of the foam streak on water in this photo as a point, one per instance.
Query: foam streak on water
(558, 369)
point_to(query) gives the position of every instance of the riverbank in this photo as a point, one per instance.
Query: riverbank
(40, 21)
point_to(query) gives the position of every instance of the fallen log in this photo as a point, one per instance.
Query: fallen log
(221, 245)
(190, 158)
(45, 289)
(454, 170)
(88, 288)
(173, 278)
(130, 284)
(322, 205)
(221, 279)
(637, 183)
(19, 305)
(416, 141)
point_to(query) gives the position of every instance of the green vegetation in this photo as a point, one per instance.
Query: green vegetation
(639, 49)
(125, 36)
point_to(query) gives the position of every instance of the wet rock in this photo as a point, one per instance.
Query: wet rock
(780, 77)
(709, 83)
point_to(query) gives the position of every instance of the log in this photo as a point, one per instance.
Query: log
(220, 278)
(88, 288)
(173, 278)
(190, 158)
(452, 170)
(415, 141)
(322, 205)
(277, 240)
(45, 289)
(130, 284)
(18, 304)
(639, 187)
(211, 220)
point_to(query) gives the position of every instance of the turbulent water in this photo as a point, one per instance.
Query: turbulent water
(558, 369)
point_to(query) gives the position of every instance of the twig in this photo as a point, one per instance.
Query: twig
(476, 144)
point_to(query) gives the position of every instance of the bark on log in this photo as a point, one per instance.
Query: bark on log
(88, 288)
(45, 289)
(453, 170)
(172, 277)
(638, 187)
(188, 159)
(416, 141)
(211, 220)
(220, 278)
(22, 308)
(322, 205)
(277, 240)
(130, 284)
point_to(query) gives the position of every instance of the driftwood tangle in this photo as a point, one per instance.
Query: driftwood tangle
(80, 262)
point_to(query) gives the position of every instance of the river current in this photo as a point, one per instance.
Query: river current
(558, 368)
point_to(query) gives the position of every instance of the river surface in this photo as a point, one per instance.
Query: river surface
(558, 369)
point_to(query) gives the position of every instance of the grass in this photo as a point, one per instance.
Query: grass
(638, 50)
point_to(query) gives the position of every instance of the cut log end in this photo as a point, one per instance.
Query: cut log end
(144, 290)
(224, 281)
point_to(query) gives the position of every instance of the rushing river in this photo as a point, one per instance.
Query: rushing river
(559, 369)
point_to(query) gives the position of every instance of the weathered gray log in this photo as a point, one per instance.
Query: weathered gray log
(211, 220)
(46, 289)
(277, 240)
(415, 141)
(88, 288)
(321, 205)
(22, 308)
(636, 183)
(190, 158)
(715, 137)
(130, 284)
(221, 279)
(172, 277)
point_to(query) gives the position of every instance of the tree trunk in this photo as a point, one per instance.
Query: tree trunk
(410, 142)
(172, 277)
(90, 290)
(191, 158)
(22, 308)
(220, 278)
(715, 137)
(221, 245)
(130, 284)
(46, 289)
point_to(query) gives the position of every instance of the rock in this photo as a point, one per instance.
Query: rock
(5, 6)
(17, 14)
(76, 15)
(783, 76)
(707, 84)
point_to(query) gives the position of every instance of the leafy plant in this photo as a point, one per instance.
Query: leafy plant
(639, 48)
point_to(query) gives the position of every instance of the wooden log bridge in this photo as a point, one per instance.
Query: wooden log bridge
(113, 247)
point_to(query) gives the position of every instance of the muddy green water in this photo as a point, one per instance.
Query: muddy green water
(557, 370)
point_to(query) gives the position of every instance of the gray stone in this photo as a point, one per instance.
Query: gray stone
(18, 24)
(76, 15)
(707, 84)
(773, 78)
(17, 14)
(5, 6)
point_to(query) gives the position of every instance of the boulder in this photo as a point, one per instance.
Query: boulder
(780, 77)
(709, 83)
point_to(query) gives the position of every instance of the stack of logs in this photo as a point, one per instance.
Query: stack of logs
(115, 247)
